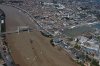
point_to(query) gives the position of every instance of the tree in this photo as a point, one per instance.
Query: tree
(77, 46)
(94, 63)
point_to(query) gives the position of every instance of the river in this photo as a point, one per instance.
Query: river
(79, 30)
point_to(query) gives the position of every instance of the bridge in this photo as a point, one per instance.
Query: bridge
(19, 29)
(10, 32)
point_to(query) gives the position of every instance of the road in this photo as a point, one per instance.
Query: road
(31, 49)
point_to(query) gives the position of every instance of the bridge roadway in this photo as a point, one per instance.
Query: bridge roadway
(10, 32)
(16, 31)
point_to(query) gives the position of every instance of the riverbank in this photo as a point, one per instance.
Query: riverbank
(4, 50)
